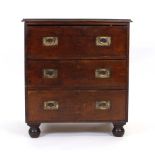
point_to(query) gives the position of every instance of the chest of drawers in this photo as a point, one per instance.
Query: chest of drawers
(76, 71)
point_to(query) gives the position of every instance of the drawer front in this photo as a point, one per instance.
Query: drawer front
(60, 42)
(71, 106)
(77, 74)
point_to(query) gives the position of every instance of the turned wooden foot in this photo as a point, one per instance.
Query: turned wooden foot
(118, 129)
(34, 130)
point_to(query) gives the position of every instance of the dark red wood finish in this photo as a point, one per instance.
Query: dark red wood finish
(76, 57)
(78, 74)
(76, 105)
(76, 42)
(82, 22)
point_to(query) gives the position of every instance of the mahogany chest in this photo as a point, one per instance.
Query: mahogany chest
(76, 70)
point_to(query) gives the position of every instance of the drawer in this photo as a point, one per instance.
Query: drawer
(76, 105)
(77, 74)
(68, 42)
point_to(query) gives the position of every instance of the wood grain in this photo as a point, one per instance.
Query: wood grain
(76, 42)
(78, 74)
(75, 105)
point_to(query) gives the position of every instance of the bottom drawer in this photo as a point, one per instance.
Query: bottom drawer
(75, 105)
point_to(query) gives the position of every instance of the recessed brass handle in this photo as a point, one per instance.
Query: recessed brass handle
(103, 105)
(50, 41)
(103, 41)
(50, 73)
(51, 105)
(102, 73)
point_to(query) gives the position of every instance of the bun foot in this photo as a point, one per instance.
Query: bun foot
(118, 130)
(34, 130)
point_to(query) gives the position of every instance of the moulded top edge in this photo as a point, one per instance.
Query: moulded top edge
(75, 21)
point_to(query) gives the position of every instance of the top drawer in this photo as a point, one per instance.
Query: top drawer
(68, 42)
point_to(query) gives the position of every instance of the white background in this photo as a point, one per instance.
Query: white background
(77, 138)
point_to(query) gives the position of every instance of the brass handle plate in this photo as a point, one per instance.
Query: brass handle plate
(103, 41)
(102, 73)
(103, 105)
(51, 105)
(50, 73)
(50, 41)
